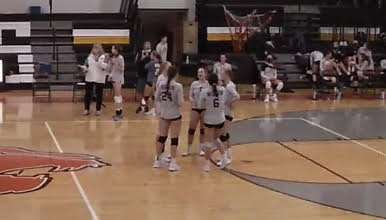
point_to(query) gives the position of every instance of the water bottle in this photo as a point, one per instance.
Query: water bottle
(254, 91)
(187, 59)
(383, 95)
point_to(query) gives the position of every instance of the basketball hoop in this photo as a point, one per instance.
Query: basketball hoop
(241, 27)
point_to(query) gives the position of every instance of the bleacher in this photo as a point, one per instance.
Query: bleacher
(320, 22)
(29, 39)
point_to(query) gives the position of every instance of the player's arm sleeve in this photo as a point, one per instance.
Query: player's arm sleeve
(180, 96)
(121, 64)
(158, 95)
(235, 95)
(191, 92)
(215, 68)
(262, 73)
(102, 64)
(201, 102)
(158, 49)
(275, 74)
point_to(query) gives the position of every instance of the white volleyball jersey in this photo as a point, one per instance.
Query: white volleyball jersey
(195, 90)
(214, 105)
(231, 95)
(169, 101)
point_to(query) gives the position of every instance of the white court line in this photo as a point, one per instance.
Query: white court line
(74, 177)
(131, 121)
(264, 119)
(81, 121)
(344, 137)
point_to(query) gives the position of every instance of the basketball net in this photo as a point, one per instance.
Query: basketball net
(241, 27)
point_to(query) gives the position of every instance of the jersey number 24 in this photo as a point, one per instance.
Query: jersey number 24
(166, 96)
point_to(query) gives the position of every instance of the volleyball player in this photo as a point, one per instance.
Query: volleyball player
(117, 69)
(196, 114)
(162, 77)
(162, 73)
(169, 97)
(231, 96)
(152, 69)
(212, 100)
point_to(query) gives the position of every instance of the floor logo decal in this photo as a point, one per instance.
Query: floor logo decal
(15, 161)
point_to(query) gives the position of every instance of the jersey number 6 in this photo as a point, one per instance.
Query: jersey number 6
(216, 103)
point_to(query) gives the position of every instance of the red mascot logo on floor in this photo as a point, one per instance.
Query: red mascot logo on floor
(15, 161)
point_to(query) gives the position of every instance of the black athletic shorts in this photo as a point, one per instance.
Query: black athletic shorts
(229, 118)
(218, 126)
(174, 119)
(199, 111)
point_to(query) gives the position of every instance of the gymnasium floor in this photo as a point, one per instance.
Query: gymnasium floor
(297, 159)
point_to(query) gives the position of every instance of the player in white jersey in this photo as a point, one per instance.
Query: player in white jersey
(231, 96)
(196, 114)
(169, 96)
(163, 73)
(212, 100)
(162, 77)
(116, 76)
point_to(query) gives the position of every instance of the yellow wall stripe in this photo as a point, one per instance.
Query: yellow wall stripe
(101, 40)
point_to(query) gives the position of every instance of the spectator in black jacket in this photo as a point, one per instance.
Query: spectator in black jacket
(141, 60)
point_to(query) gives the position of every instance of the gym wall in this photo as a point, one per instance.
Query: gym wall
(62, 6)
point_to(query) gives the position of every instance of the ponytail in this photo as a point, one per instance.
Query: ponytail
(213, 81)
(214, 87)
(167, 85)
(172, 72)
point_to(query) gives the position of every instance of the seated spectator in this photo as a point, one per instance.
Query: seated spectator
(269, 78)
(365, 58)
(329, 70)
(355, 72)
(338, 57)
(222, 66)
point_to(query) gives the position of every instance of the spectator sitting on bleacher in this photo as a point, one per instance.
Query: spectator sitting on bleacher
(329, 70)
(222, 66)
(365, 58)
(269, 77)
(355, 72)
(364, 53)
(352, 49)
(338, 56)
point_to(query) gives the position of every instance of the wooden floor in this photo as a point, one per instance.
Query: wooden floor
(131, 189)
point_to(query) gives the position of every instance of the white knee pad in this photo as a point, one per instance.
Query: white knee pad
(333, 79)
(118, 99)
(268, 85)
(280, 86)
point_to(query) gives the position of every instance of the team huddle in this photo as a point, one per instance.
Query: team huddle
(212, 98)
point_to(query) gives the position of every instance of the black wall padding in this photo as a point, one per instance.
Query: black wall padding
(247, 70)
